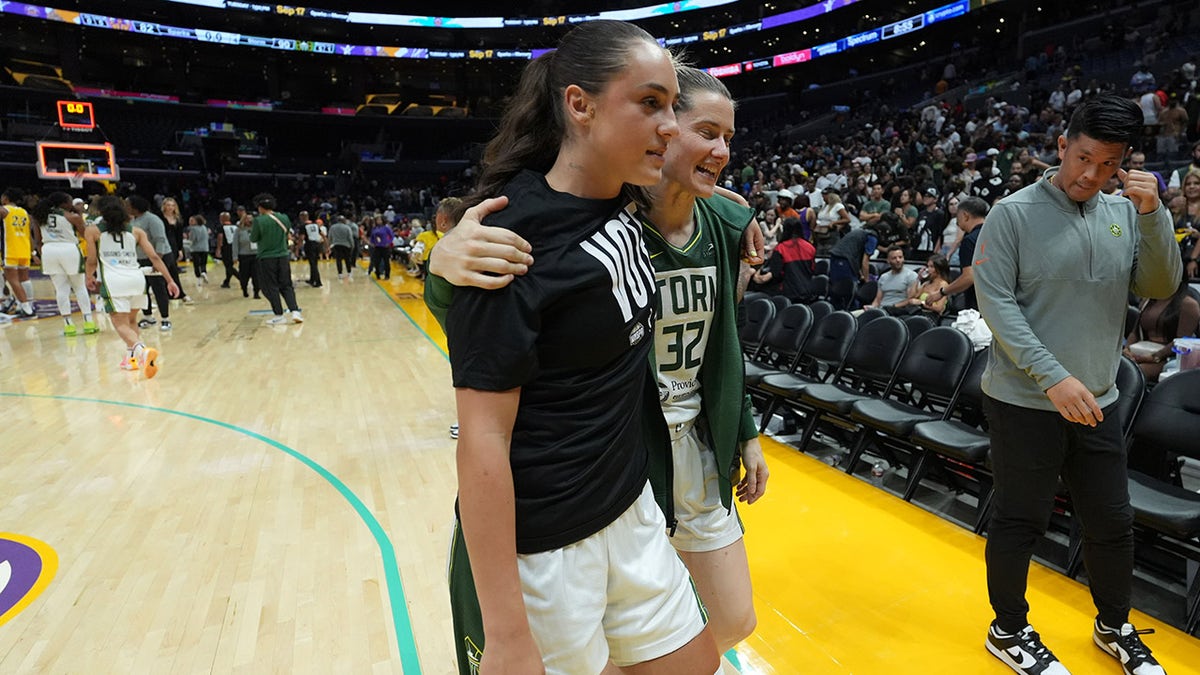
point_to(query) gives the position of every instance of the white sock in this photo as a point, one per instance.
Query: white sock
(28, 286)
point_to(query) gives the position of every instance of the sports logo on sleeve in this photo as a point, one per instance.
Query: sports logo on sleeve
(26, 568)
(619, 247)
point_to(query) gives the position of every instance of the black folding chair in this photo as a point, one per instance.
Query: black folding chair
(868, 370)
(758, 315)
(960, 443)
(926, 389)
(1165, 515)
(781, 346)
(820, 358)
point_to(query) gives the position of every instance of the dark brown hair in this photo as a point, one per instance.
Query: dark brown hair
(534, 125)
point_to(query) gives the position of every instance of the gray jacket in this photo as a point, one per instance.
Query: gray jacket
(342, 233)
(1053, 278)
(156, 230)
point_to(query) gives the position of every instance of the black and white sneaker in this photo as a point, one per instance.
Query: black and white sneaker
(1024, 652)
(147, 322)
(1126, 646)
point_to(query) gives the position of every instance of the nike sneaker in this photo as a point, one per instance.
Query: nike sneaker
(1024, 652)
(1125, 644)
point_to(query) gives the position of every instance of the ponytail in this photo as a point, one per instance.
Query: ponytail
(533, 127)
(529, 135)
(55, 200)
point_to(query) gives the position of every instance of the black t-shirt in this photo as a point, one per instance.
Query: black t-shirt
(988, 189)
(930, 225)
(966, 254)
(575, 334)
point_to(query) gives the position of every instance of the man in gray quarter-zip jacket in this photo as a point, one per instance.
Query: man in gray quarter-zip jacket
(1053, 270)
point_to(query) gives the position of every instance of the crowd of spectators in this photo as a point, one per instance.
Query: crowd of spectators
(903, 175)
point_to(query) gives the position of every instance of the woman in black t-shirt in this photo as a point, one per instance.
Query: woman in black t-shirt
(569, 566)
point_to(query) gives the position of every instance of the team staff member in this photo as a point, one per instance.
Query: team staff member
(1055, 264)
(571, 565)
(342, 236)
(16, 249)
(113, 244)
(156, 230)
(270, 232)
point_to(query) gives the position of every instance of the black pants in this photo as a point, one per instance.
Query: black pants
(312, 251)
(276, 277)
(344, 253)
(227, 258)
(247, 272)
(381, 262)
(1030, 450)
(171, 260)
(200, 263)
(156, 286)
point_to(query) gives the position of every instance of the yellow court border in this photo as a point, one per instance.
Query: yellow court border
(49, 570)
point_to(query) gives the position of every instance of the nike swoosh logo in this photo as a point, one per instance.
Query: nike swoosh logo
(1027, 661)
(1124, 655)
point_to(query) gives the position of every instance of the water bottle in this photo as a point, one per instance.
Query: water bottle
(878, 469)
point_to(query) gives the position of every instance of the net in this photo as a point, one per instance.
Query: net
(76, 179)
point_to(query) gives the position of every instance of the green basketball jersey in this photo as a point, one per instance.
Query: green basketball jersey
(686, 278)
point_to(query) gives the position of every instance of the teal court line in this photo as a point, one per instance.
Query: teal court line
(409, 661)
(412, 320)
(731, 655)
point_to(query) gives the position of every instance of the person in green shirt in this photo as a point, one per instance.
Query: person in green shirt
(875, 207)
(270, 231)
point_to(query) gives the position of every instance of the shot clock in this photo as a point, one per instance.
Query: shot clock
(76, 115)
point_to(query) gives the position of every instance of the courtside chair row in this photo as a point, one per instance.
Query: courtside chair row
(910, 392)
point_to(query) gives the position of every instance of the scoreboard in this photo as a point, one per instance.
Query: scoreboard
(76, 115)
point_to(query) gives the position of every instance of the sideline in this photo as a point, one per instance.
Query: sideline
(409, 661)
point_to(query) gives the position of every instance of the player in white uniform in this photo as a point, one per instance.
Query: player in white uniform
(113, 249)
(61, 228)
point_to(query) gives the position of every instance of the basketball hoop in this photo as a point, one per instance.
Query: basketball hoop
(76, 178)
